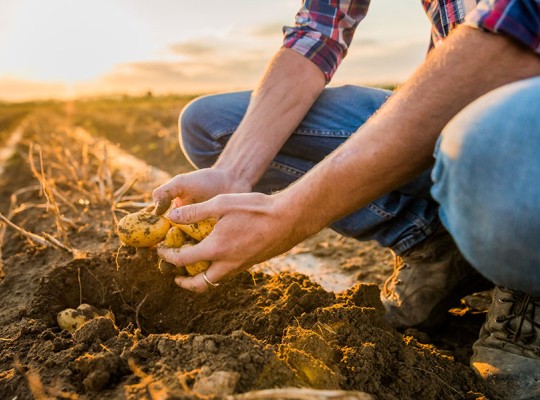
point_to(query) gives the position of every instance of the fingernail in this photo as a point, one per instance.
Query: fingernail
(161, 207)
(173, 214)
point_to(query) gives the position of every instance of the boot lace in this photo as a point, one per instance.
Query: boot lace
(523, 309)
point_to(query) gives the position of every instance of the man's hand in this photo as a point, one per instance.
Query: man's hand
(251, 228)
(197, 186)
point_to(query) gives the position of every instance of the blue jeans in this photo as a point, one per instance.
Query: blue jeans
(487, 181)
(398, 220)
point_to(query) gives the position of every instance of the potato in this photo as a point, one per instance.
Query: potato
(198, 230)
(175, 237)
(143, 229)
(72, 319)
(198, 267)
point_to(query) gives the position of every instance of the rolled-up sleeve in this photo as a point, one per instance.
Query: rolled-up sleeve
(324, 30)
(519, 19)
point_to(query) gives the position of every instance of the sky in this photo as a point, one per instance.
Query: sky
(73, 48)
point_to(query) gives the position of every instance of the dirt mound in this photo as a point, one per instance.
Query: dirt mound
(254, 332)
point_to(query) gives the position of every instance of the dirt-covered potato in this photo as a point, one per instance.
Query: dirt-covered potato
(198, 267)
(175, 237)
(143, 229)
(72, 319)
(198, 230)
(182, 236)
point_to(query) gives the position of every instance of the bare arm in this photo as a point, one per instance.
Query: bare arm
(288, 89)
(395, 145)
(398, 141)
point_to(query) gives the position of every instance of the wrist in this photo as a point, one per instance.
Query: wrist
(233, 181)
(292, 209)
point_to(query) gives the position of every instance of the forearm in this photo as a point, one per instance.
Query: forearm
(397, 143)
(288, 89)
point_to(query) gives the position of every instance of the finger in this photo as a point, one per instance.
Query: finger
(192, 213)
(164, 194)
(198, 284)
(186, 255)
(162, 206)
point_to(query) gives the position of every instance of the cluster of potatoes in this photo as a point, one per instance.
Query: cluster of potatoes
(146, 229)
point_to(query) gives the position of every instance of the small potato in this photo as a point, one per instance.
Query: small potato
(87, 311)
(104, 312)
(70, 319)
(198, 230)
(198, 267)
(175, 237)
(143, 229)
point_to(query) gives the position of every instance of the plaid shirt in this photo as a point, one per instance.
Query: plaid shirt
(324, 29)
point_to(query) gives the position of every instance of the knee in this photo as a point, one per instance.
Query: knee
(194, 133)
(483, 180)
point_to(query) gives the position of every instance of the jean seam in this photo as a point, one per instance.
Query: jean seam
(286, 169)
(314, 132)
(410, 241)
(380, 212)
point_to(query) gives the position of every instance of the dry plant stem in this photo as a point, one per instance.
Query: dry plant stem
(32, 236)
(119, 292)
(122, 190)
(117, 255)
(66, 163)
(138, 311)
(64, 199)
(11, 212)
(107, 172)
(133, 204)
(46, 241)
(80, 284)
(85, 162)
(47, 190)
(301, 394)
(74, 252)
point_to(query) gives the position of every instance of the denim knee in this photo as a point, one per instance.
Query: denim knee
(195, 141)
(485, 180)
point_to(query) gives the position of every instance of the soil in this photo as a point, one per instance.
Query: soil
(258, 331)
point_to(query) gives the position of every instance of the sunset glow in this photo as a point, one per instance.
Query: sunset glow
(64, 48)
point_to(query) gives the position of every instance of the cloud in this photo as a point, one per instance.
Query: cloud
(192, 76)
(268, 30)
(192, 48)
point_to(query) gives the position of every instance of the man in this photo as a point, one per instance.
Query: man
(479, 87)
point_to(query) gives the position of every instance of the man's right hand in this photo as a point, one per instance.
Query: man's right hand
(197, 186)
